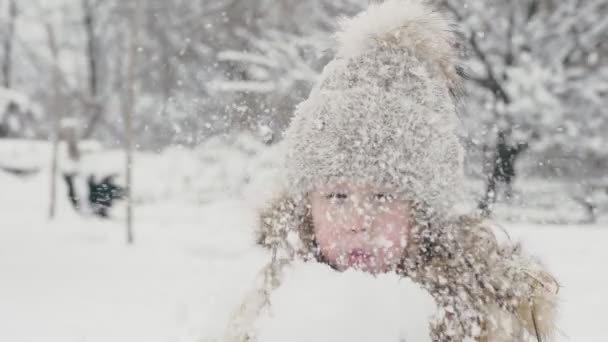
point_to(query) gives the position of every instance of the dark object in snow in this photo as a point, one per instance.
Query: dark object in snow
(72, 196)
(503, 171)
(102, 194)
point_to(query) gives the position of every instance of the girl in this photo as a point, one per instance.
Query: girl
(374, 168)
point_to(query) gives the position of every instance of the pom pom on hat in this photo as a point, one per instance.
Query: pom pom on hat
(410, 24)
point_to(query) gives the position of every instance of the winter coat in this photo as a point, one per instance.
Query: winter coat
(384, 111)
(486, 291)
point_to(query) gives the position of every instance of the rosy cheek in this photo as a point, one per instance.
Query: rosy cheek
(396, 239)
(327, 243)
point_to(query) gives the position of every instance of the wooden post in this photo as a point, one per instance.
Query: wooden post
(56, 113)
(135, 16)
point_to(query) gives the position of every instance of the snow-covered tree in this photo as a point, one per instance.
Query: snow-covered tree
(278, 59)
(539, 72)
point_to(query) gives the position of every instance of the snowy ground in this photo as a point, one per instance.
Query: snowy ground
(74, 279)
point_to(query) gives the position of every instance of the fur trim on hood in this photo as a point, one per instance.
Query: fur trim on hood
(489, 291)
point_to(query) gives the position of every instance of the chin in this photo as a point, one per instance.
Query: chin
(372, 269)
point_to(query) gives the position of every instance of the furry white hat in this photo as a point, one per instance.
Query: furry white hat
(384, 108)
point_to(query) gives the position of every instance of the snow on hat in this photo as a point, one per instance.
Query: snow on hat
(384, 108)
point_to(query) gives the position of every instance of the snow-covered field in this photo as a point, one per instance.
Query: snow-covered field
(75, 279)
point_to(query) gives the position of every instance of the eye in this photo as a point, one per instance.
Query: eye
(337, 196)
(384, 197)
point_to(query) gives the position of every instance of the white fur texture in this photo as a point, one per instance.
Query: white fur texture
(388, 20)
(382, 111)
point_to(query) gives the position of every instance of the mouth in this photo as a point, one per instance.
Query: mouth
(358, 258)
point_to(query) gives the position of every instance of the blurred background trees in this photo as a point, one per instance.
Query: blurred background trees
(538, 76)
(537, 73)
(207, 66)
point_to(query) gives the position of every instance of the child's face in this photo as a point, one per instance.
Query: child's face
(363, 227)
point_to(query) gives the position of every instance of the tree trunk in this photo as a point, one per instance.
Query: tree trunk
(56, 120)
(135, 16)
(93, 81)
(8, 44)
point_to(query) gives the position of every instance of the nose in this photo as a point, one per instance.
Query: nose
(361, 220)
